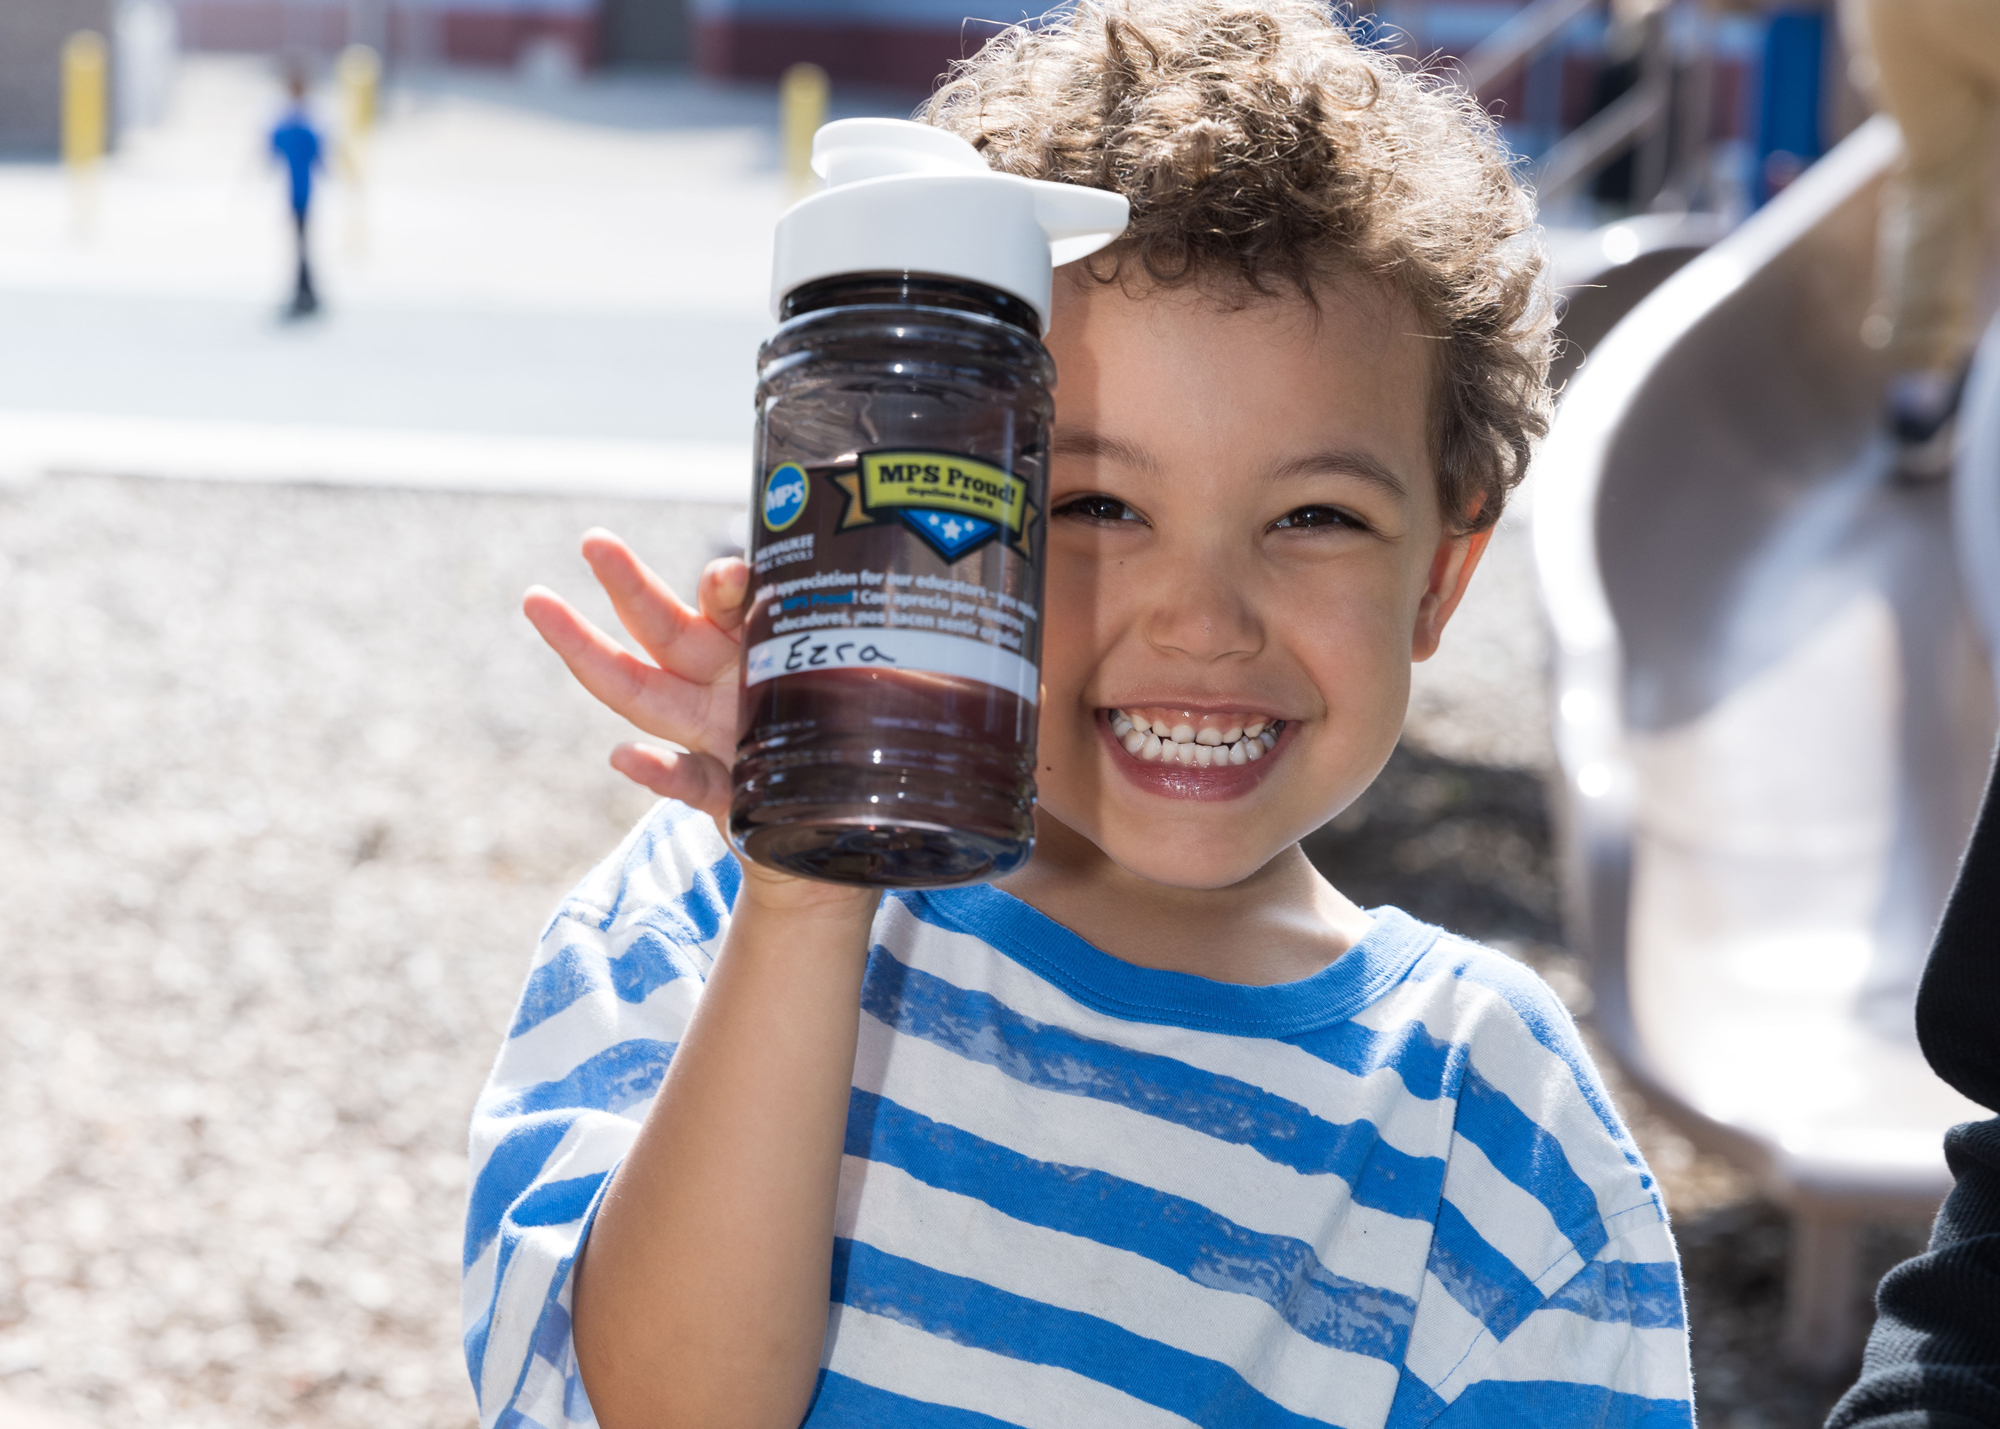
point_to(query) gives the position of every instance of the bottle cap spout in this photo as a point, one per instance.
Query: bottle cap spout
(850, 150)
(911, 198)
(1078, 221)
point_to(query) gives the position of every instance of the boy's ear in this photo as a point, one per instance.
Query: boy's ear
(1451, 571)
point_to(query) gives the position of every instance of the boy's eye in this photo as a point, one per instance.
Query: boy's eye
(1098, 507)
(1315, 518)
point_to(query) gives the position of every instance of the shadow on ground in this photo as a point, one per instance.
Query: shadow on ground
(1469, 847)
(1461, 845)
(1734, 1260)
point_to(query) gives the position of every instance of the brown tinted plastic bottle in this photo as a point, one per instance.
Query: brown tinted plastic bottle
(889, 697)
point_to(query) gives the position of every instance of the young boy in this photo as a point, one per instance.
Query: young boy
(1161, 1130)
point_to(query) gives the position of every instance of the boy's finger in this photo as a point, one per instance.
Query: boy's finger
(657, 701)
(675, 636)
(725, 585)
(703, 783)
(697, 780)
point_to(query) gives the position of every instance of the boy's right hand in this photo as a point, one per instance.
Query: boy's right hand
(688, 694)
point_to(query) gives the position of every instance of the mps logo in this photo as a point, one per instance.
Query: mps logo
(955, 503)
(784, 496)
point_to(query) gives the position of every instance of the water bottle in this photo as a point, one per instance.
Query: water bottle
(891, 653)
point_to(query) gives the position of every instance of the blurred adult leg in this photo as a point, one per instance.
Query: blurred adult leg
(1938, 67)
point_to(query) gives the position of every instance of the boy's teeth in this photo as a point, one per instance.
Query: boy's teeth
(1149, 737)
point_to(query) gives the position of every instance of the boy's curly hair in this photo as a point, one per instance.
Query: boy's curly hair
(1260, 145)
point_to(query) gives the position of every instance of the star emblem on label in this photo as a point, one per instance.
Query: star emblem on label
(950, 536)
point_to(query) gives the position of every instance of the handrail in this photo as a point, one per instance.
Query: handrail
(1585, 149)
(1641, 116)
(1640, 112)
(1523, 32)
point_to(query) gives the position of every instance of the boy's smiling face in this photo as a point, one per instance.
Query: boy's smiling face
(1244, 530)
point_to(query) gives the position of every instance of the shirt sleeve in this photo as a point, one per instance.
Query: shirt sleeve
(608, 996)
(1551, 1298)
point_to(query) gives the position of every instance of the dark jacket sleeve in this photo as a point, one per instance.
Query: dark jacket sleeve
(1933, 1360)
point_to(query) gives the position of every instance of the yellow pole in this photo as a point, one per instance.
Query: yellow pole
(359, 73)
(359, 69)
(801, 112)
(86, 121)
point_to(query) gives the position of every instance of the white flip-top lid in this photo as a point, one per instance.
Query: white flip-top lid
(903, 197)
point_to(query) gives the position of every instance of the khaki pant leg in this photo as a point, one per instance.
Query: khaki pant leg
(1938, 68)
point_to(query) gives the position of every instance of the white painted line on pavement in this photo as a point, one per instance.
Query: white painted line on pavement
(34, 444)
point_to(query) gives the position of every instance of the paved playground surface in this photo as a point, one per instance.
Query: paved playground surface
(583, 266)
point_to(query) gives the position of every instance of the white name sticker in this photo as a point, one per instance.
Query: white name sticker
(879, 648)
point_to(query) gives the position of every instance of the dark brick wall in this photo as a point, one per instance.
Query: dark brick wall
(31, 40)
(744, 47)
(466, 36)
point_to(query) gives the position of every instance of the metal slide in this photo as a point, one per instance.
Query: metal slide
(1605, 273)
(1975, 511)
(1775, 716)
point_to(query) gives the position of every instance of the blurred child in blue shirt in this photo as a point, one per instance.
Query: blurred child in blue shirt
(295, 141)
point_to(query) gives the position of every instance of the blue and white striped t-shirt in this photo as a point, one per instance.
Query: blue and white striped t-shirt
(1083, 1193)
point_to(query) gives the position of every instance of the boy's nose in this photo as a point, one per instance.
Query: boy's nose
(1201, 610)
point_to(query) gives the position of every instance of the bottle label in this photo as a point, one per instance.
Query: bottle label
(908, 560)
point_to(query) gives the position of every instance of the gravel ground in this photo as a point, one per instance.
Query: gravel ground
(286, 789)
